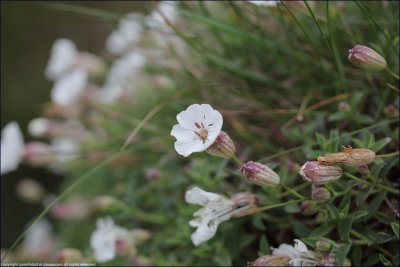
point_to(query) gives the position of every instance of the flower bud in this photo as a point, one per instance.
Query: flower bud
(324, 245)
(344, 106)
(103, 203)
(30, 190)
(69, 255)
(243, 203)
(320, 218)
(153, 175)
(38, 154)
(320, 194)
(139, 235)
(222, 147)
(260, 174)
(319, 174)
(366, 58)
(271, 260)
(349, 156)
(308, 207)
(391, 111)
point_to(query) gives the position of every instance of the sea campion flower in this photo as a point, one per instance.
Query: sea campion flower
(319, 174)
(70, 87)
(198, 128)
(260, 174)
(62, 58)
(366, 58)
(216, 209)
(12, 147)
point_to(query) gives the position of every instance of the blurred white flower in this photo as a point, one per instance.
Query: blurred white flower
(65, 149)
(127, 34)
(299, 254)
(264, 3)
(12, 147)
(39, 127)
(216, 209)
(103, 240)
(62, 58)
(123, 77)
(39, 242)
(164, 8)
(198, 128)
(70, 87)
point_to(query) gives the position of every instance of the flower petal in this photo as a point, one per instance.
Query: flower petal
(203, 233)
(12, 147)
(183, 135)
(185, 149)
(62, 59)
(198, 196)
(300, 246)
(69, 88)
(190, 116)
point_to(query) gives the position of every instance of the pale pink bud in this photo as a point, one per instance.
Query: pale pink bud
(223, 147)
(271, 260)
(320, 194)
(391, 111)
(243, 203)
(103, 203)
(344, 106)
(69, 255)
(37, 154)
(153, 175)
(30, 190)
(260, 174)
(319, 174)
(366, 58)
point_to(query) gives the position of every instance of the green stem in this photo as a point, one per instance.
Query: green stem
(296, 188)
(384, 187)
(273, 206)
(238, 161)
(291, 191)
(393, 74)
(389, 155)
(137, 213)
(369, 242)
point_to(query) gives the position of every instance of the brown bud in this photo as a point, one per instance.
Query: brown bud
(222, 147)
(349, 156)
(69, 255)
(242, 203)
(271, 260)
(260, 174)
(319, 174)
(366, 58)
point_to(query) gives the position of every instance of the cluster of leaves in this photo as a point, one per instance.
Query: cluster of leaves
(277, 74)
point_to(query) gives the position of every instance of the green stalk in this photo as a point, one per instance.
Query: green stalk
(380, 186)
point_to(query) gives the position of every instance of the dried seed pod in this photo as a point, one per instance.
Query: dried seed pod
(349, 156)
(271, 260)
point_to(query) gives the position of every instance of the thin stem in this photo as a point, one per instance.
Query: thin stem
(137, 213)
(370, 242)
(238, 161)
(384, 187)
(394, 88)
(393, 73)
(291, 191)
(296, 188)
(389, 155)
(272, 206)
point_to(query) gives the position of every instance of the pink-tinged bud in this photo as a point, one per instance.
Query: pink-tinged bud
(320, 194)
(324, 245)
(153, 175)
(271, 260)
(69, 255)
(30, 190)
(103, 203)
(95, 65)
(124, 247)
(74, 209)
(391, 111)
(243, 203)
(38, 154)
(260, 174)
(308, 207)
(366, 58)
(223, 147)
(319, 174)
(344, 106)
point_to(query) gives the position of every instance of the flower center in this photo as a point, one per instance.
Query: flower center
(202, 133)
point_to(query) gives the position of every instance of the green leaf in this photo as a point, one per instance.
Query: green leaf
(363, 195)
(333, 212)
(359, 214)
(258, 223)
(341, 254)
(380, 144)
(385, 261)
(344, 228)
(264, 246)
(323, 230)
(371, 260)
(374, 205)
(356, 256)
(321, 140)
(381, 237)
(301, 230)
(345, 203)
(395, 228)
(310, 241)
(293, 208)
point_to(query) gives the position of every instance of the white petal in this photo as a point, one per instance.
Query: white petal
(69, 88)
(183, 135)
(300, 246)
(38, 127)
(187, 118)
(12, 147)
(285, 249)
(66, 149)
(198, 196)
(62, 58)
(185, 149)
(263, 3)
(203, 233)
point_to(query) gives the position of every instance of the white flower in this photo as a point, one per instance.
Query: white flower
(38, 127)
(62, 58)
(199, 126)
(70, 87)
(65, 149)
(166, 8)
(127, 34)
(299, 254)
(12, 147)
(39, 243)
(103, 239)
(264, 3)
(216, 209)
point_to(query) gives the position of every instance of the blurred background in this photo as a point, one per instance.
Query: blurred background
(28, 31)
